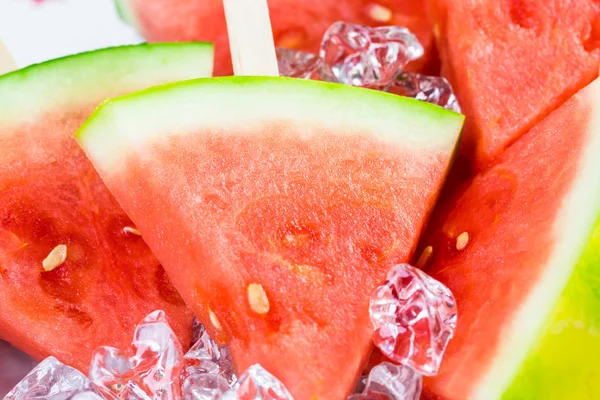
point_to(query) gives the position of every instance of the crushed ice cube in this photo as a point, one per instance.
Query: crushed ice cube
(414, 317)
(359, 55)
(51, 380)
(361, 384)
(432, 89)
(150, 370)
(201, 386)
(388, 381)
(257, 384)
(298, 64)
(207, 357)
(197, 329)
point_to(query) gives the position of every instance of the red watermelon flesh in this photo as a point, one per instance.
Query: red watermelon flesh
(280, 211)
(512, 62)
(297, 24)
(517, 220)
(50, 195)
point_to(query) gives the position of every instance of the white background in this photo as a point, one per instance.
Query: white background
(38, 31)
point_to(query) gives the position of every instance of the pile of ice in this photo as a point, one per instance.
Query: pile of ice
(413, 315)
(153, 368)
(374, 58)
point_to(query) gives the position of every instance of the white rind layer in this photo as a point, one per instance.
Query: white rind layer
(572, 229)
(125, 126)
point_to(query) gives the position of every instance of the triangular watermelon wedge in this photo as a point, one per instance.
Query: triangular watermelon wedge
(519, 248)
(277, 206)
(512, 62)
(74, 272)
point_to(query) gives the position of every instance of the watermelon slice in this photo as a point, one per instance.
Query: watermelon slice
(277, 206)
(74, 272)
(518, 247)
(297, 24)
(512, 62)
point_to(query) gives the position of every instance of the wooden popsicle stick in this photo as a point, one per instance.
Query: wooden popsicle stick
(7, 63)
(251, 38)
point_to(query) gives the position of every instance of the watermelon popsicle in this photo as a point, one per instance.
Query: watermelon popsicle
(275, 260)
(530, 236)
(288, 201)
(74, 272)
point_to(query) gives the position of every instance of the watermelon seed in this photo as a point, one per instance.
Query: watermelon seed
(133, 231)
(379, 13)
(436, 31)
(257, 297)
(55, 258)
(462, 240)
(213, 319)
(425, 256)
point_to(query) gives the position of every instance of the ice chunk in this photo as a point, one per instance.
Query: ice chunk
(257, 384)
(197, 329)
(150, 370)
(414, 317)
(201, 386)
(50, 380)
(206, 356)
(299, 64)
(359, 55)
(14, 366)
(388, 381)
(361, 384)
(432, 89)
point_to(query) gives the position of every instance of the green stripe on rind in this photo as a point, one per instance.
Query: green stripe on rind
(74, 80)
(246, 102)
(125, 12)
(565, 361)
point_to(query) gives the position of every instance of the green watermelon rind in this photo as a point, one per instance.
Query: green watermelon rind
(573, 326)
(125, 13)
(549, 349)
(64, 82)
(417, 123)
(562, 363)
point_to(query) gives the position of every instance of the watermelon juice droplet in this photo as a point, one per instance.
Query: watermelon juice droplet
(414, 318)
